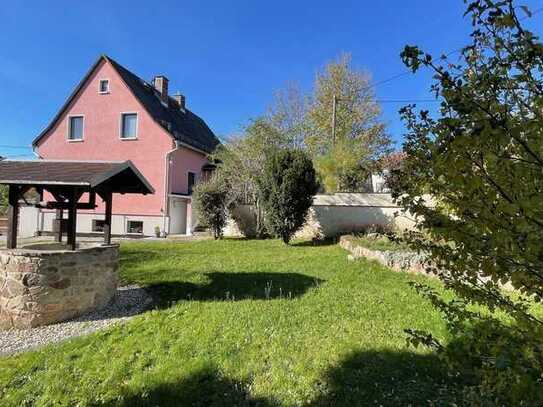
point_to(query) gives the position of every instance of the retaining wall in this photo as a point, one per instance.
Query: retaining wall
(333, 215)
(396, 260)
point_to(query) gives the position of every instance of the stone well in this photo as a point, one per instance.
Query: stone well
(43, 284)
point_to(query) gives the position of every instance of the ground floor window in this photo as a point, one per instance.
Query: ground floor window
(134, 226)
(98, 225)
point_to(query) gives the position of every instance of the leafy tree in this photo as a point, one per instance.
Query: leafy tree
(288, 115)
(241, 165)
(360, 138)
(210, 200)
(343, 163)
(287, 188)
(481, 160)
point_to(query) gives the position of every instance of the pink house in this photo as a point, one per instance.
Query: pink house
(115, 115)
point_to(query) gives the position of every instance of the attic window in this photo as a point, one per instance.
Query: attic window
(104, 86)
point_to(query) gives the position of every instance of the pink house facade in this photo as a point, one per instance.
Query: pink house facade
(115, 115)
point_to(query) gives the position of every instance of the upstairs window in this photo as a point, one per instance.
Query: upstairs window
(191, 181)
(104, 86)
(75, 128)
(129, 126)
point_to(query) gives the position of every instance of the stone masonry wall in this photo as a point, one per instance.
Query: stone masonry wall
(410, 262)
(396, 260)
(40, 287)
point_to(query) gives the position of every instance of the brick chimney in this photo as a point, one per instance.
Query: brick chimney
(161, 85)
(180, 99)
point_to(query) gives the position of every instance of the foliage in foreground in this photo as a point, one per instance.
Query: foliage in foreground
(246, 323)
(287, 187)
(482, 162)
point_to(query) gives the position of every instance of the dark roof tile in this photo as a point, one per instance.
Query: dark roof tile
(185, 127)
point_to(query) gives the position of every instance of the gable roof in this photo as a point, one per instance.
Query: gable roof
(184, 126)
(118, 176)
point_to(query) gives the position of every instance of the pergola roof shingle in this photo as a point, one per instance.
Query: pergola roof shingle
(115, 176)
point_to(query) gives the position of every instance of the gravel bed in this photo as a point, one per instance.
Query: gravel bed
(128, 302)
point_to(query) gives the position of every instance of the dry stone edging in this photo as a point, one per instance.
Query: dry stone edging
(404, 261)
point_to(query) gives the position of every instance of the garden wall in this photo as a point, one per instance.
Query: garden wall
(40, 287)
(333, 215)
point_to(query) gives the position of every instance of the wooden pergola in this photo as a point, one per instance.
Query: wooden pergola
(67, 181)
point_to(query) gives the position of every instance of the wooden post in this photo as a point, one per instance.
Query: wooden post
(59, 219)
(72, 219)
(108, 199)
(13, 216)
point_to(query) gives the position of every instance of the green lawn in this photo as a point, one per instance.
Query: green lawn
(245, 323)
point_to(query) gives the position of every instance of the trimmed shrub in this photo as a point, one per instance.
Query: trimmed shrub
(210, 200)
(287, 188)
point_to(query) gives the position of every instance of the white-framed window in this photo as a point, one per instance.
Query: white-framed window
(129, 126)
(134, 227)
(75, 128)
(103, 86)
(98, 225)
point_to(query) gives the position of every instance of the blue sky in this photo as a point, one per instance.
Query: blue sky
(226, 57)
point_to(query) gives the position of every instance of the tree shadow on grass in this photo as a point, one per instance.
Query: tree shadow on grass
(205, 388)
(374, 378)
(130, 258)
(389, 378)
(314, 243)
(234, 287)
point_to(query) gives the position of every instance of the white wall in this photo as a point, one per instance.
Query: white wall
(378, 183)
(335, 214)
(28, 221)
(118, 222)
(32, 220)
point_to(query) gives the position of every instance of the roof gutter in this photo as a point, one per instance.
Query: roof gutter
(180, 143)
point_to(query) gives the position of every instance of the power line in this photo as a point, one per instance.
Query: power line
(405, 73)
(391, 78)
(15, 147)
(408, 101)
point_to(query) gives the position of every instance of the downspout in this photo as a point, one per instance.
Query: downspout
(166, 210)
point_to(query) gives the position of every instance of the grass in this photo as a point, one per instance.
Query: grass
(248, 323)
(381, 243)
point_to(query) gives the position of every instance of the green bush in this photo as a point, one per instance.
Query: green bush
(210, 200)
(480, 158)
(287, 188)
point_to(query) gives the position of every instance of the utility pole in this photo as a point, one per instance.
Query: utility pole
(334, 104)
